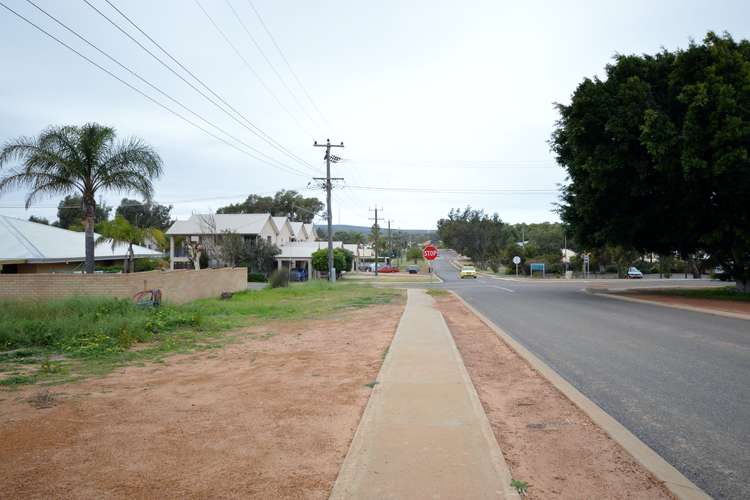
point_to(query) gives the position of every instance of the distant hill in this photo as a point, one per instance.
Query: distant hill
(366, 229)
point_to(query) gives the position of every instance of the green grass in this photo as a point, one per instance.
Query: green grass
(75, 337)
(437, 292)
(722, 293)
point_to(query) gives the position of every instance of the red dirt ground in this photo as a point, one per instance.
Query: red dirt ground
(271, 416)
(546, 440)
(734, 306)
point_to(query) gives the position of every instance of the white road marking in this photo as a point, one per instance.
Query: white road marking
(502, 288)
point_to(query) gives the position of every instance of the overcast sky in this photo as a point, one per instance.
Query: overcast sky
(425, 94)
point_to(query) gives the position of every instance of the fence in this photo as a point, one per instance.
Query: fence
(177, 286)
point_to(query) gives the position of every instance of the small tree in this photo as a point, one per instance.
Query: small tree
(232, 249)
(320, 259)
(414, 253)
(120, 231)
(260, 255)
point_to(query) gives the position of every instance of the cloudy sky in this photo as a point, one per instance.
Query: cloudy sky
(440, 104)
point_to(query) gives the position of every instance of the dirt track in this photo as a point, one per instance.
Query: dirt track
(271, 416)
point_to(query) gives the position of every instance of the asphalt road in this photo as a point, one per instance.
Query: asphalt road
(678, 380)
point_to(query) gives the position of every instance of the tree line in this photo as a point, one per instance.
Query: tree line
(658, 156)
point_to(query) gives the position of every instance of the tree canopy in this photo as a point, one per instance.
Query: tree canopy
(283, 204)
(657, 154)
(473, 233)
(70, 213)
(145, 214)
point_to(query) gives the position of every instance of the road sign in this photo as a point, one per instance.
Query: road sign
(516, 260)
(585, 258)
(430, 252)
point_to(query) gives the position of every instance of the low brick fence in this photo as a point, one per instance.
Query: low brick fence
(177, 287)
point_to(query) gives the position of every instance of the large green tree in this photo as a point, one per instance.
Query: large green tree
(658, 154)
(145, 214)
(284, 203)
(70, 213)
(83, 160)
(473, 233)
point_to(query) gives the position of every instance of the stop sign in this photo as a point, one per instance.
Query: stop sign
(430, 252)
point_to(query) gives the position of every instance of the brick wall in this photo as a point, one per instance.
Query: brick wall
(177, 286)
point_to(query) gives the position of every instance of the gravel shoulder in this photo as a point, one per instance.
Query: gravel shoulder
(271, 415)
(546, 440)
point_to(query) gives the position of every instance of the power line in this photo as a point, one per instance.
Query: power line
(273, 67)
(286, 61)
(135, 89)
(453, 191)
(250, 126)
(249, 67)
(139, 77)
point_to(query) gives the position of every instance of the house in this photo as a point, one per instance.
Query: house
(285, 230)
(311, 234)
(299, 232)
(208, 230)
(298, 254)
(29, 247)
(362, 254)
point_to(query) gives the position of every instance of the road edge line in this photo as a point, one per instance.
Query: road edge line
(673, 480)
(684, 307)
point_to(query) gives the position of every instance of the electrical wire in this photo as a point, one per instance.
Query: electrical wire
(135, 89)
(251, 69)
(249, 125)
(289, 66)
(270, 64)
(268, 160)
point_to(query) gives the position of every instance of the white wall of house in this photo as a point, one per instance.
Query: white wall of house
(285, 231)
(269, 232)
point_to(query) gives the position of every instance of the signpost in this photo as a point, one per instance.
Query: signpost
(536, 266)
(586, 266)
(516, 261)
(430, 253)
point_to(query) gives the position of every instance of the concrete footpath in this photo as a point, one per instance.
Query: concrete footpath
(424, 433)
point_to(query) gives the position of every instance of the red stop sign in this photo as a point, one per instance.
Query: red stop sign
(430, 252)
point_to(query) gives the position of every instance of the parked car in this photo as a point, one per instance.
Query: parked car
(298, 274)
(387, 269)
(468, 272)
(634, 273)
(413, 269)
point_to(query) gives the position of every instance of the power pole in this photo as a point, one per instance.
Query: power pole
(390, 242)
(328, 179)
(376, 234)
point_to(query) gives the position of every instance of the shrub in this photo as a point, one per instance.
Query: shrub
(256, 277)
(279, 278)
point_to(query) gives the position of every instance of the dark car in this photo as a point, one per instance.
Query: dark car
(413, 269)
(298, 274)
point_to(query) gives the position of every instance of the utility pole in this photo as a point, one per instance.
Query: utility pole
(390, 242)
(328, 179)
(376, 234)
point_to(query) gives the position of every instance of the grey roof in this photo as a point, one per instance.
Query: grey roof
(303, 249)
(280, 221)
(23, 241)
(219, 223)
(297, 229)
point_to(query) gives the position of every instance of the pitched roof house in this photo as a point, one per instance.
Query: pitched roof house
(30, 247)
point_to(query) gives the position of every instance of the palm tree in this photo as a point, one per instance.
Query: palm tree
(80, 160)
(120, 231)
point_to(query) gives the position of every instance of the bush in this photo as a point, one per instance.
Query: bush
(279, 278)
(148, 265)
(256, 277)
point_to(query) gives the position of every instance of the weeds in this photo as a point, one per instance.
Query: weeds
(95, 334)
(521, 487)
(437, 292)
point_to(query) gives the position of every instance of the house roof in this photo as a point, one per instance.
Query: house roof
(280, 222)
(219, 223)
(363, 251)
(303, 249)
(310, 228)
(297, 229)
(23, 241)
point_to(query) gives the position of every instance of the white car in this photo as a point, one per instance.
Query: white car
(634, 273)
